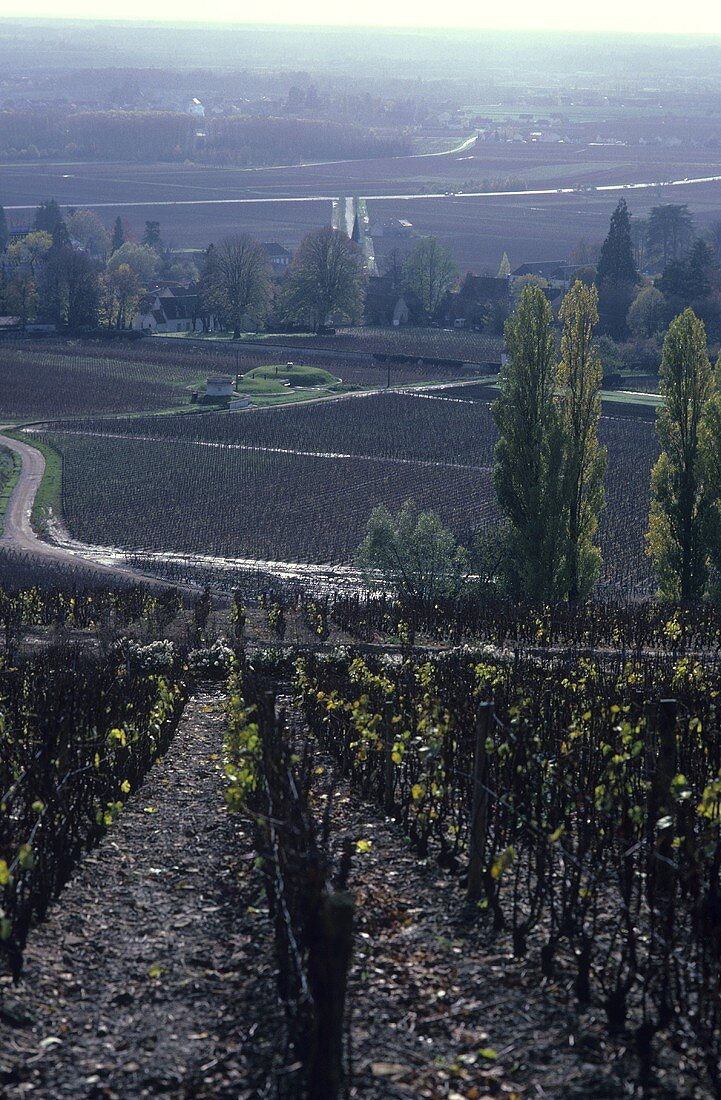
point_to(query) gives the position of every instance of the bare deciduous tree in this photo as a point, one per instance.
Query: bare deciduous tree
(326, 279)
(240, 288)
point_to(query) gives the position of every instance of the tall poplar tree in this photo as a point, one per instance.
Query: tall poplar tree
(528, 473)
(711, 451)
(681, 506)
(579, 386)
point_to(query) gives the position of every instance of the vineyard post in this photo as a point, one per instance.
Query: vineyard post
(661, 800)
(328, 973)
(479, 808)
(388, 766)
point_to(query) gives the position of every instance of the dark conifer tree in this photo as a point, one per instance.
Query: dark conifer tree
(48, 216)
(616, 264)
(118, 238)
(616, 274)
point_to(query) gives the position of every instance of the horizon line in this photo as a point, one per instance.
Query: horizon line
(402, 28)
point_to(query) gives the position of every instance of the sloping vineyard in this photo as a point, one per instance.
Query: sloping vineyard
(581, 798)
(391, 426)
(213, 500)
(427, 343)
(79, 732)
(54, 381)
(70, 378)
(298, 484)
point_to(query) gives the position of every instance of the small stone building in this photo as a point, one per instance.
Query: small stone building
(220, 387)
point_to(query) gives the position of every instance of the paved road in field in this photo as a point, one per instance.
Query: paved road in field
(413, 197)
(258, 198)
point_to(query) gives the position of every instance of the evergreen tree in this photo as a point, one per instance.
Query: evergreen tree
(504, 269)
(686, 282)
(579, 382)
(616, 274)
(47, 216)
(118, 238)
(528, 472)
(670, 229)
(616, 264)
(680, 502)
(151, 236)
(60, 235)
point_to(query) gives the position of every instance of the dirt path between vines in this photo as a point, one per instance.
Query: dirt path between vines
(441, 1010)
(152, 974)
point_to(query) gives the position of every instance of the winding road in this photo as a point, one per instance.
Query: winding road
(18, 533)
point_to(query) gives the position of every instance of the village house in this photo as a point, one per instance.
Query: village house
(479, 298)
(399, 229)
(172, 310)
(556, 273)
(279, 257)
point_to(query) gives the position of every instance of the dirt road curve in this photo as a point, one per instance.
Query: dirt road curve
(18, 533)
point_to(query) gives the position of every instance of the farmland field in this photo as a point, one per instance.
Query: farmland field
(197, 204)
(43, 378)
(426, 343)
(298, 484)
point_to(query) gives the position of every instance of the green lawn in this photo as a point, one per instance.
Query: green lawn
(10, 466)
(271, 380)
(630, 397)
(49, 495)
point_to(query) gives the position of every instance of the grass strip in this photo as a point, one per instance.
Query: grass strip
(49, 496)
(10, 467)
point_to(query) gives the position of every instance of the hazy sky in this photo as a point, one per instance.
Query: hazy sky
(694, 16)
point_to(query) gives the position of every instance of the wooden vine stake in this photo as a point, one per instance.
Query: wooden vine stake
(328, 975)
(663, 805)
(479, 805)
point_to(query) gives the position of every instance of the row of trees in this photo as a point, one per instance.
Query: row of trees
(549, 471)
(326, 282)
(549, 465)
(153, 136)
(688, 272)
(71, 270)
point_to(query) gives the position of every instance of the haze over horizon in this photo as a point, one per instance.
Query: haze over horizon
(614, 17)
